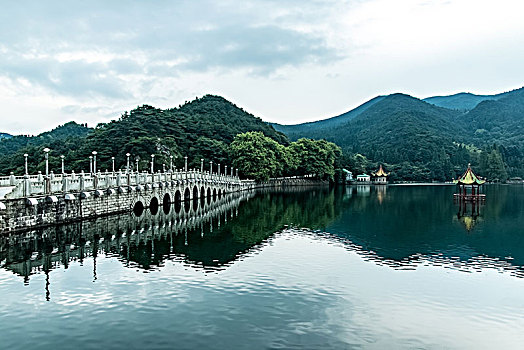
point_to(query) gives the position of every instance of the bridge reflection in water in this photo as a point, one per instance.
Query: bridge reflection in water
(204, 232)
(397, 227)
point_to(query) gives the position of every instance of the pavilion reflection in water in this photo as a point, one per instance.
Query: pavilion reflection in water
(145, 240)
(469, 198)
(469, 213)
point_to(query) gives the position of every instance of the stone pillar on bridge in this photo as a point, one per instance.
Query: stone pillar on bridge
(27, 186)
(82, 181)
(65, 184)
(47, 188)
(12, 179)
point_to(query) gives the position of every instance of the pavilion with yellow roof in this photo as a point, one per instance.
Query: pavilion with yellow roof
(380, 177)
(469, 181)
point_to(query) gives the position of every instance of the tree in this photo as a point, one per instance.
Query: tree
(316, 157)
(253, 154)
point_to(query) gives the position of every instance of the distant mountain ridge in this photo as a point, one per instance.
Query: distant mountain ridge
(330, 122)
(464, 100)
(419, 140)
(4, 135)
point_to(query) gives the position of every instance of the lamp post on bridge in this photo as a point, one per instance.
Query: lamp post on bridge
(94, 161)
(218, 169)
(113, 163)
(211, 167)
(202, 165)
(225, 171)
(127, 168)
(152, 164)
(185, 164)
(46, 151)
(26, 170)
(232, 171)
(91, 164)
(63, 168)
(171, 164)
(137, 159)
(164, 168)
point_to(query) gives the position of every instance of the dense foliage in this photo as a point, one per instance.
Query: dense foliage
(259, 157)
(202, 128)
(418, 141)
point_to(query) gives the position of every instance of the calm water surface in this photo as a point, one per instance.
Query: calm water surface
(354, 267)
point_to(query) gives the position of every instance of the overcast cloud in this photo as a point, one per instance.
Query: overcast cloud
(285, 61)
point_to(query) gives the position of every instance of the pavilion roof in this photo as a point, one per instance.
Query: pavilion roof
(381, 172)
(469, 178)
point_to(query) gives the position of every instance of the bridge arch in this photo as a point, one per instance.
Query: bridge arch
(153, 205)
(195, 192)
(187, 194)
(202, 192)
(138, 208)
(166, 203)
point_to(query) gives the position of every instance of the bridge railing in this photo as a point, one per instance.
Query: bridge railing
(25, 186)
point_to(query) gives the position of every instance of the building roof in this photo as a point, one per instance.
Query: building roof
(469, 178)
(363, 175)
(381, 172)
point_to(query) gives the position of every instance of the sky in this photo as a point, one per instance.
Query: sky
(284, 61)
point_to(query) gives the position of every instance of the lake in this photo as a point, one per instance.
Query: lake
(351, 267)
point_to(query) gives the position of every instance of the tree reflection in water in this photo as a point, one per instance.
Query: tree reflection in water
(399, 226)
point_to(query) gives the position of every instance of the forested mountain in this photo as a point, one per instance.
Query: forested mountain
(294, 131)
(202, 128)
(420, 141)
(4, 135)
(465, 101)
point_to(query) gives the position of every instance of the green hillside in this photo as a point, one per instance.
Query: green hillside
(295, 131)
(466, 101)
(417, 140)
(202, 128)
(4, 135)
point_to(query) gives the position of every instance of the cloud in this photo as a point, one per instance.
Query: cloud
(96, 49)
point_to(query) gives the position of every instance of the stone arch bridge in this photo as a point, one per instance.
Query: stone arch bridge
(37, 201)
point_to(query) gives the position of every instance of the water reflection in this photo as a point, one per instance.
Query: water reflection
(405, 226)
(398, 226)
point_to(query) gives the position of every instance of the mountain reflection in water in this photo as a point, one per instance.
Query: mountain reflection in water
(397, 226)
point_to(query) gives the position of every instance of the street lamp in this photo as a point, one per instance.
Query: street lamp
(63, 169)
(185, 166)
(94, 160)
(46, 151)
(225, 171)
(164, 167)
(210, 167)
(218, 169)
(202, 165)
(113, 161)
(171, 164)
(91, 164)
(136, 160)
(127, 168)
(152, 164)
(25, 156)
